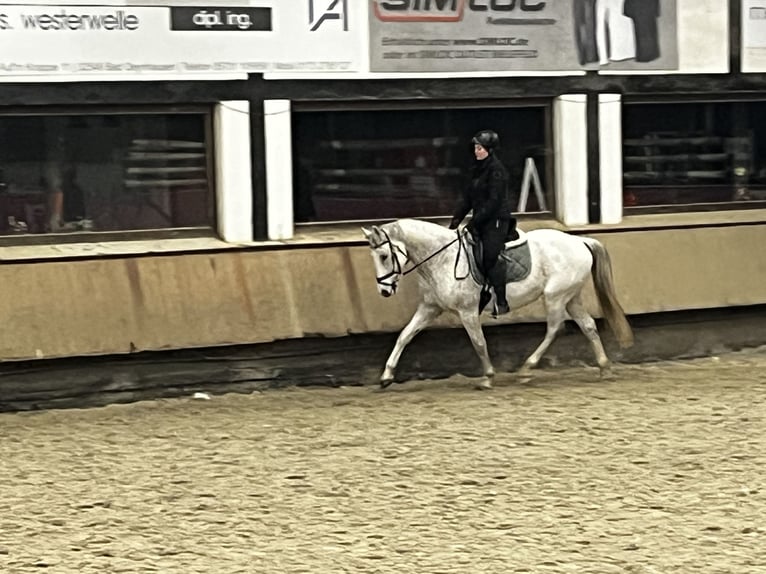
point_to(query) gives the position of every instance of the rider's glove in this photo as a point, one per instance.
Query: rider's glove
(454, 223)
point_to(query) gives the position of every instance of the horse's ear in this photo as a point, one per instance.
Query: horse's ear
(371, 233)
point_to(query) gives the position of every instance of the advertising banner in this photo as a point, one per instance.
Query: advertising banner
(126, 38)
(753, 35)
(522, 35)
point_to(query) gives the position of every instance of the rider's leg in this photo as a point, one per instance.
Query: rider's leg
(497, 279)
(494, 239)
(486, 294)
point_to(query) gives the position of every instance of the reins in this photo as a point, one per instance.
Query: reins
(396, 268)
(460, 247)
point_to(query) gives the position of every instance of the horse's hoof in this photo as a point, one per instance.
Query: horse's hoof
(605, 371)
(524, 374)
(484, 385)
(385, 383)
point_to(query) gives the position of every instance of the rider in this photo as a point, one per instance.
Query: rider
(492, 222)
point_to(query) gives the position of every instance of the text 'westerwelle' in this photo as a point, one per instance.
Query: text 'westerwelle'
(63, 20)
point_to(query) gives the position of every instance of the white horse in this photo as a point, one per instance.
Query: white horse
(561, 265)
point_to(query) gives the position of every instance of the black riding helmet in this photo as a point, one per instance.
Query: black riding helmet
(487, 139)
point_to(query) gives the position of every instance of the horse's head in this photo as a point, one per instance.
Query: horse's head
(389, 256)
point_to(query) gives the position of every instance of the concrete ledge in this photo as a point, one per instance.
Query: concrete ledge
(356, 360)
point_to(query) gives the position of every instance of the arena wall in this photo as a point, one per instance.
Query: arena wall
(262, 293)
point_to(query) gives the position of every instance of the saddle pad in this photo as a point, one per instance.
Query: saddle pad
(518, 262)
(515, 256)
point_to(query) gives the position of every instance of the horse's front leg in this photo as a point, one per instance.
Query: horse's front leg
(424, 314)
(472, 323)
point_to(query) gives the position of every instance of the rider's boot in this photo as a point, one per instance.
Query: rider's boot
(497, 278)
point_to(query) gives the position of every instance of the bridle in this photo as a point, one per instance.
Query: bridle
(396, 268)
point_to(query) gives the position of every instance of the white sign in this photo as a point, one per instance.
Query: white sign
(119, 38)
(754, 35)
(529, 35)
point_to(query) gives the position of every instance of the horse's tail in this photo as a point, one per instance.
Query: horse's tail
(607, 297)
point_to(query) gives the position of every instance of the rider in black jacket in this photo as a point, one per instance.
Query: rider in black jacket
(492, 222)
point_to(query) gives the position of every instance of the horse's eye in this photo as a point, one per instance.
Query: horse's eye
(384, 258)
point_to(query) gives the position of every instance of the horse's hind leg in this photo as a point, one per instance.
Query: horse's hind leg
(555, 319)
(587, 325)
(472, 324)
(424, 314)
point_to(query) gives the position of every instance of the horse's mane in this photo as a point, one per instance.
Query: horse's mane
(419, 227)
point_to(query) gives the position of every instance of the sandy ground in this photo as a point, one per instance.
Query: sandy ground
(658, 468)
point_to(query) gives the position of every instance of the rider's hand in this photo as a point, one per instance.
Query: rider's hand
(454, 223)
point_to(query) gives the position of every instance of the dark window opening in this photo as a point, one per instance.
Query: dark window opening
(694, 153)
(385, 164)
(105, 172)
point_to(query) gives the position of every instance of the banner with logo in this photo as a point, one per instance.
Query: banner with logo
(522, 35)
(754, 35)
(179, 38)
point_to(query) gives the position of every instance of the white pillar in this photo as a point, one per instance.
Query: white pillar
(279, 169)
(570, 136)
(610, 150)
(234, 187)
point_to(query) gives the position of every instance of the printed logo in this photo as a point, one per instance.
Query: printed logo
(335, 10)
(233, 19)
(447, 10)
(419, 10)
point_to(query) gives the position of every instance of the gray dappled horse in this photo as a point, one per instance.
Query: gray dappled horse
(561, 265)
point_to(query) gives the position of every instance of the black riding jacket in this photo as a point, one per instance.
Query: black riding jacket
(487, 195)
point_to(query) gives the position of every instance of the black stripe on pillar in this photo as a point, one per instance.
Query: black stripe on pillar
(594, 159)
(258, 168)
(735, 37)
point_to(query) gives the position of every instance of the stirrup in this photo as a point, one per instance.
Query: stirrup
(500, 309)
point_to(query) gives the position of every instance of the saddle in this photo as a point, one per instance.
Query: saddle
(515, 258)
